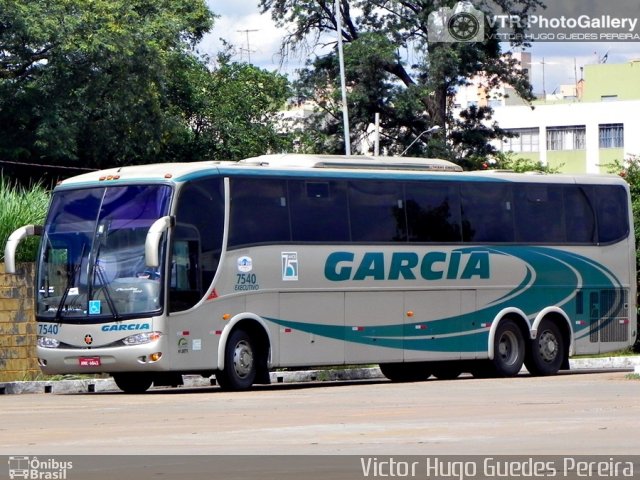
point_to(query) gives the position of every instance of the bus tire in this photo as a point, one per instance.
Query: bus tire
(240, 360)
(508, 349)
(133, 382)
(405, 372)
(547, 351)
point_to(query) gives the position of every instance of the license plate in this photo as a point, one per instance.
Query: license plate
(89, 361)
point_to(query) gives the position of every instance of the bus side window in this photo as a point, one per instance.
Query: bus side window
(259, 212)
(579, 215)
(487, 212)
(538, 213)
(613, 217)
(433, 212)
(319, 211)
(376, 212)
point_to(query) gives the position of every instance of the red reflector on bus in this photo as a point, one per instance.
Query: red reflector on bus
(421, 327)
(287, 330)
(357, 329)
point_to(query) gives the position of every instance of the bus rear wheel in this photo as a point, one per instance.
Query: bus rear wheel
(240, 359)
(405, 372)
(547, 350)
(508, 349)
(133, 382)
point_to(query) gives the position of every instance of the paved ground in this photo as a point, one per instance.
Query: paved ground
(587, 414)
(337, 429)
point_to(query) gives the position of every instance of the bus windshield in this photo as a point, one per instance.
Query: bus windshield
(92, 263)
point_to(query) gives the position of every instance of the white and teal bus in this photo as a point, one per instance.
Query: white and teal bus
(233, 269)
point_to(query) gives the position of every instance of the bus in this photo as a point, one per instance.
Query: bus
(234, 269)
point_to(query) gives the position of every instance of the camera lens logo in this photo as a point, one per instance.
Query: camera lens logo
(463, 26)
(462, 23)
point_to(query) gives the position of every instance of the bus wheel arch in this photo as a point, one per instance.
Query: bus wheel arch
(551, 343)
(243, 355)
(508, 343)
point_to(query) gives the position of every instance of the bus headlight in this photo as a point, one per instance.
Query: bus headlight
(48, 342)
(141, 338)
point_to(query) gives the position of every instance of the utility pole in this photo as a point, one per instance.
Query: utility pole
(247, 32)
(345, 110)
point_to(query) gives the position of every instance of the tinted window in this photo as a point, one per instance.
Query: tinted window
(197, 241)
(259, 211)
(487, 212)
(611, 206)
(433, 212)
(580, 223)
(319, 211)
(376, 212)
(539, 213)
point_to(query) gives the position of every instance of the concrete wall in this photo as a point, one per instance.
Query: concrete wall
(17, 325)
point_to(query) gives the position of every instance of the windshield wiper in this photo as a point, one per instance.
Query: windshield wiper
(70, 280)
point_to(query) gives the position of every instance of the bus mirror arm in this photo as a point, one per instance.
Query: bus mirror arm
(152, 242)
(12, 244)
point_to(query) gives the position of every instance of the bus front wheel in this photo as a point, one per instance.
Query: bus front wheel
(239, 370)
(133, 382)
(509, 349)
(547, 350)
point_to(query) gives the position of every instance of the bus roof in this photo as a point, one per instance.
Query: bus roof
(320, 165)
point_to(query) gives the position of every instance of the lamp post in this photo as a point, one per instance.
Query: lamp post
(433, 129)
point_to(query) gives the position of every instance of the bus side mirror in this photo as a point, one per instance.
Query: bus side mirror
(12, 244)
(152, 242)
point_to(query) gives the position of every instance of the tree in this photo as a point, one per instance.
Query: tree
(97, 83)
(410, 96)
(84, 82)
(232, 110)
(629, 169)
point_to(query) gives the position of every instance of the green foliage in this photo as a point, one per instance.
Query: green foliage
(19, 207)
(392, 69)
(629, 169)
(510, 161)
(85, 81)
(97, 83)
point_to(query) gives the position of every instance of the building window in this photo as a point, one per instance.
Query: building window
(524, 140)
(566, 138)
(612, 135)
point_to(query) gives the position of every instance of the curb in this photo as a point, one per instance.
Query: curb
(95, 385)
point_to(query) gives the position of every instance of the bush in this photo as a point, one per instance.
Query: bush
(19, 207)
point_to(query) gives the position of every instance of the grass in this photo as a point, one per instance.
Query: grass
(18, 207)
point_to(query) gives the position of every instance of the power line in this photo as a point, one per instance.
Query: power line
(62, 167)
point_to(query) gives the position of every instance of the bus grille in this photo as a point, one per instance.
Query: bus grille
(609, 316)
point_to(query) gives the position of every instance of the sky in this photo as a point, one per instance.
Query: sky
(256, 38)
